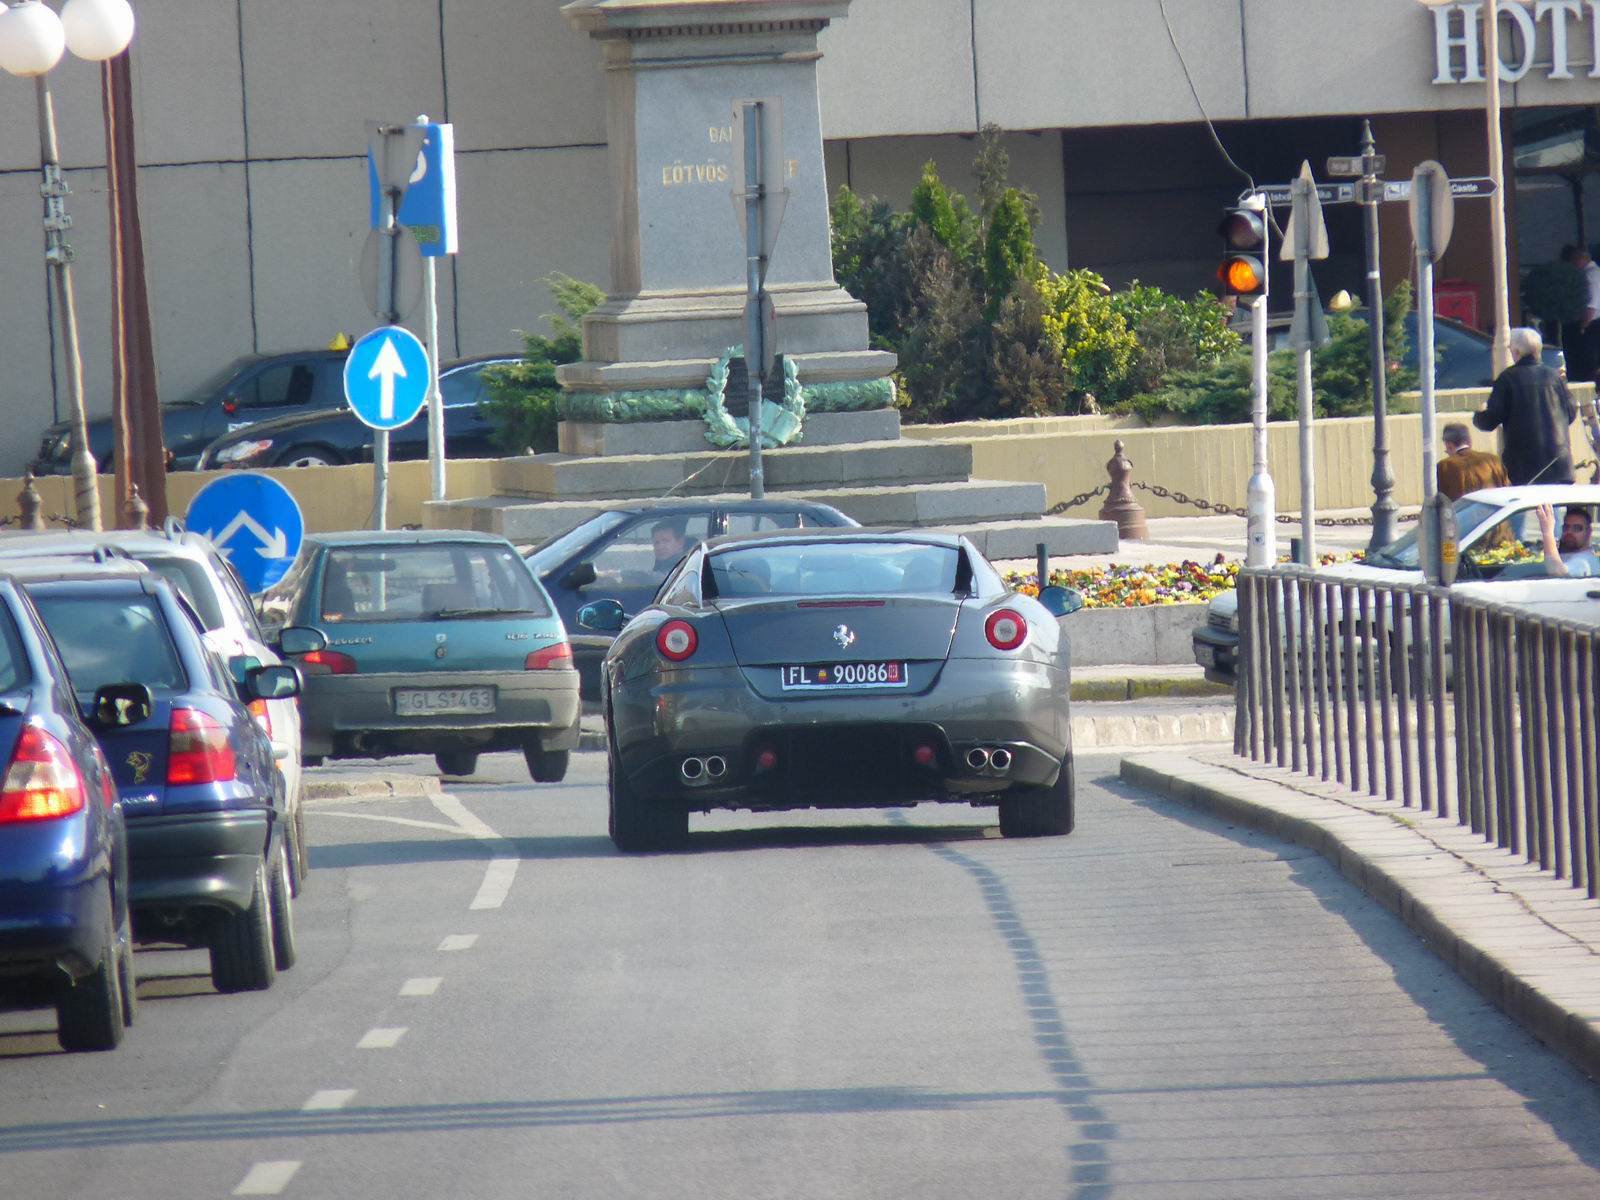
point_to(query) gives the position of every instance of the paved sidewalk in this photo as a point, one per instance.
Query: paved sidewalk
(1529, 942)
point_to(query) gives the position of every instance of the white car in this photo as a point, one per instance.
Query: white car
(1500, 546)
(1566, 599)
(197, 569)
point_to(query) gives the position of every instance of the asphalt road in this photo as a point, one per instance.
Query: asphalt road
(491, 1003)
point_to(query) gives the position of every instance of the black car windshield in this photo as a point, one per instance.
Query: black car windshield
(189, 577)
(1401, 554)
(835, 569)
(427, 581)
(111, 639)
(213, 383)
(553, 553)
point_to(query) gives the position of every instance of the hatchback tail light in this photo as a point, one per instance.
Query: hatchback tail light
(330, 662)
(1006, 629)
(42, 781)
(550, 657)
(263, 715)
(677, 640)
(198, 750)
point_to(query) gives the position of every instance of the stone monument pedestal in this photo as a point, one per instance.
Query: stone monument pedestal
(677, 299)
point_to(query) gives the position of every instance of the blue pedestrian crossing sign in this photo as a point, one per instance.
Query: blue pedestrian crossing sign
(254, 521)
(386, 377)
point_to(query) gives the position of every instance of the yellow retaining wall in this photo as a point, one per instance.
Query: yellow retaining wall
(1213, 461)
(329, 497)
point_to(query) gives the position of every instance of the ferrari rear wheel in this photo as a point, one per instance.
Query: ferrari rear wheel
(636, 824)
(1041, 811)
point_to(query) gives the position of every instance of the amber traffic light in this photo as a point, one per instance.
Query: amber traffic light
(1244, 252)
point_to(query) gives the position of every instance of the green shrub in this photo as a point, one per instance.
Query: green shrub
(523, 401)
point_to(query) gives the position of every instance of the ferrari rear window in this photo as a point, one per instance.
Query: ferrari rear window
(835, 569)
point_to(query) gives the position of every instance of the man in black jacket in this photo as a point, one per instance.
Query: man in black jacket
(1532, 402)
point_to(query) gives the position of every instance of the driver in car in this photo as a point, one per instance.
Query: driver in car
(1571, 556)
(670, 546)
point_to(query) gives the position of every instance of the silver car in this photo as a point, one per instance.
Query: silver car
(831, 669)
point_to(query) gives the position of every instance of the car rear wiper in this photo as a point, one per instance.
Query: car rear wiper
(449, 613)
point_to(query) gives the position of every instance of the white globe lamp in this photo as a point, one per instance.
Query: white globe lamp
(31, 38)
(97, 30)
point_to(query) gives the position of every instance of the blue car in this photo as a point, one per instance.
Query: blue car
(203, 798)
(64, 923)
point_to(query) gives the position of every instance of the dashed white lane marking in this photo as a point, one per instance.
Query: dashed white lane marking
(502, 868)
(421, 987)
(459, 941)
(327, 1101)
(266, 1178)
(381, 1039)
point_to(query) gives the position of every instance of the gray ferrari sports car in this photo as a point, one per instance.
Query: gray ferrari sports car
(836, 669)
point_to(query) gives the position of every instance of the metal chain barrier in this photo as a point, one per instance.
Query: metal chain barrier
(1216, 507)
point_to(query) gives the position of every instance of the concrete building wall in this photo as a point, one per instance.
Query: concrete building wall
(251, 135)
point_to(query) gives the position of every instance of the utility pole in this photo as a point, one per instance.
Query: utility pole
(755, 270)
(1370, 196)
(58, 254)
(1306, 239)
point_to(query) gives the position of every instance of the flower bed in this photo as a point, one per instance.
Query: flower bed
(1129, 586)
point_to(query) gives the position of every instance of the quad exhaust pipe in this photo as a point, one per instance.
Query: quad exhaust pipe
(698, 770)
(981, 758)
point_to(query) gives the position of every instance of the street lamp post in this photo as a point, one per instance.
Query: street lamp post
(32, 41)
(1497, 202)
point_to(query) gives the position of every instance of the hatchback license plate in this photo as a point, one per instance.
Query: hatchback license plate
(441, 702)
(1205, 655)
(831, 677)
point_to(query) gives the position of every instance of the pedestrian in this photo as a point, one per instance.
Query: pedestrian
(1464, 469)
(1581, 338)
(1532, 403)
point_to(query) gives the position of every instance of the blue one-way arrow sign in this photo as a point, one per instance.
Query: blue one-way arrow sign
(386, 377)
(254, 521)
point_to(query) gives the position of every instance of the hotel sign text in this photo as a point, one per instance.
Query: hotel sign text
(1565, 27)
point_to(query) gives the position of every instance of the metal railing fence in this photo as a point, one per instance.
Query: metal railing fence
(1470, 709)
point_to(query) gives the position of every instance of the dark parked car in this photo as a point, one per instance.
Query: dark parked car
(64, 928)
(624, 553)
(837, 669)
(204, 801)
(331, 438)
(256, 388)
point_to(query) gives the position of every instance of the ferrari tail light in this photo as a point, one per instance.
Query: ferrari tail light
(1006, 629)
(263, 715)
(550, 657)
(331, 662)
(42, 781)
(198, 750)
(677, 640)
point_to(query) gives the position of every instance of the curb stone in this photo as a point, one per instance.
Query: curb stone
(374, 786)
(1494, 920)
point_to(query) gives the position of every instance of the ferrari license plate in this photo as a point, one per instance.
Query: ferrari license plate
(832, 677)
(443, 702)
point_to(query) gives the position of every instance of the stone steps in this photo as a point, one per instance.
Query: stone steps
(1000, 517)
(563, 477)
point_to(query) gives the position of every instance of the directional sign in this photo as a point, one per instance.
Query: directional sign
(774, 177)
(1282, 195)
(386, 377)
(254, 521)
(1468, 189)
(428, 208)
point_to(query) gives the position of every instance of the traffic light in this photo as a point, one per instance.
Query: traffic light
(1244, 250)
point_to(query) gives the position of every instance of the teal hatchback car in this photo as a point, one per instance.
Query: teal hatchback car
(426, 642)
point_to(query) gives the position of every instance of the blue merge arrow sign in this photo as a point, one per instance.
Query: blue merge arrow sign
(386, 377)
(254, 521)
